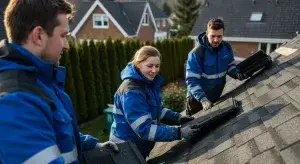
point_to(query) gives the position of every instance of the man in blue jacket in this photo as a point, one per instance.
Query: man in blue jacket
(207, 67)
(37, 120)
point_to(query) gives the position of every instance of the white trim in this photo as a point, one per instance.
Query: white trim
(88, 14)
(163, 112)
(102, 19)
(256, 40)
(140, 121)
(70, 156)
(151, 16)
(152, 132)
(45, 156)
(146, 19)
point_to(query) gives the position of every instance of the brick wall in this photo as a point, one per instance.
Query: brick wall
(88, 32)
(244, 49)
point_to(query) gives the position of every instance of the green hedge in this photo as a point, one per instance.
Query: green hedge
(93, 70)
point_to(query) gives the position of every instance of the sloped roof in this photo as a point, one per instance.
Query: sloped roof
(279, 21)
(267, 131)
(126, 16)
(3, 4)
(157, 12)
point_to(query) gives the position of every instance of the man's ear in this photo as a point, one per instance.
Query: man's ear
(38, 36)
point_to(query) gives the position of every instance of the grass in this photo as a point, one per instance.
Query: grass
(95, 128)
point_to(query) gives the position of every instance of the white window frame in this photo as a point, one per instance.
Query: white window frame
(102, 18)
(146, 19)
(158, 23)
(164, 23)
(256, 16)
(268, 49)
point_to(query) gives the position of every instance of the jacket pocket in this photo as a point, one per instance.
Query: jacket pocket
(62, 125)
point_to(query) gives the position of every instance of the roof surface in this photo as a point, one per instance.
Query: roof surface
(279, 21)
(127, 14)
(267, 131)
(157, 12)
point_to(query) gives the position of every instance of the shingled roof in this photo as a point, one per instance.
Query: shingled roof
(267, 131)
(126, 16)
(279, 20)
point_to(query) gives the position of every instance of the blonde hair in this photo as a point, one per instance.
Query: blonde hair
(144, 53)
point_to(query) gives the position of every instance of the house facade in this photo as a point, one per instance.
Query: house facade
(100, 20)
(251, 25)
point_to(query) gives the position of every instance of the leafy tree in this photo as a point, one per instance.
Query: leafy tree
(167, 9)
(186, 13)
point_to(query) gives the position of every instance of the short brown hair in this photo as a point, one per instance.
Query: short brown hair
(215, 24)
(144, 53)
(22, 16)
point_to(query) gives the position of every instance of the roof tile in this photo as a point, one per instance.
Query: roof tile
(290, 155)
(267, 157)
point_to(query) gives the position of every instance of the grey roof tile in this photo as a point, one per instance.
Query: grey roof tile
(249, 133)
(268, 157)
(268, 97)
(285, 77)
(236, 15)
(289, 131)
(290, 85)
(291, 155)
(295, 94)
(264, 141)
(157, 12)
(268, 128)
(229, 156)
(220, 145)
(281, 116)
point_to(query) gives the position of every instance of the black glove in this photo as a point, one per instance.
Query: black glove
(109, 145)
(185, 119)
(189, 132)
(241, 76)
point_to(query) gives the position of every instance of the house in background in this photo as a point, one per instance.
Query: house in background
(99, 20)
(251, 25)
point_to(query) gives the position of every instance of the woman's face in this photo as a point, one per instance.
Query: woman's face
(150, 67)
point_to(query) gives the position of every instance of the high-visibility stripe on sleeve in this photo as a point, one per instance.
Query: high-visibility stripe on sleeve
(70, 156)
(163, 113)
(44, 156)
(139, 121)
(152, 132)
(191, 74)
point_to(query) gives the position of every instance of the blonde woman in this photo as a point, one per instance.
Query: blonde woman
(138, 109)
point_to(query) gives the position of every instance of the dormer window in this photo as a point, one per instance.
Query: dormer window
(146, 19)
(256, 16)
(100, 21)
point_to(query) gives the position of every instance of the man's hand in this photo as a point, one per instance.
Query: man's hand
(206, 104)
(241, 76)
(109, 145)
(185, 119)
(189, 132)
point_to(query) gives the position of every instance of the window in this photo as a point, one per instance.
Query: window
(158, 23)
(164, 22)
(146, 19)
(256, 16)
(273, 47)
(100, 21)
(263, 46)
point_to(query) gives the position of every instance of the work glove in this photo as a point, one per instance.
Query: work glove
(109, 145)
(184, 119)
(189, 132)
(241, 76)
(206, 104)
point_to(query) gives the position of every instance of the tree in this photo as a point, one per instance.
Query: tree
(186, 13)
(98, 76)
(69, 85)
(81, 108)
(105, 72)
(113, 66)
(167, 9)
(89, 80)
